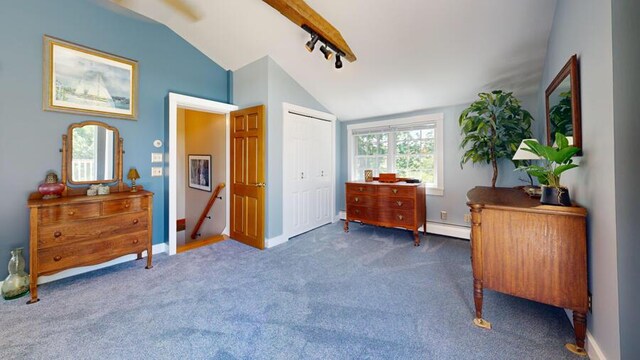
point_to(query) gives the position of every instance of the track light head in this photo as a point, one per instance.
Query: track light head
(338, 62)
(328, 54)
(311, 44)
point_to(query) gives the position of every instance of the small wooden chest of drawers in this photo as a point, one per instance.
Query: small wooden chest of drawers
(74, 231)
(387, 204)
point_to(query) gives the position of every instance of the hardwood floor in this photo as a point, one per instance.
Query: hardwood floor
(199, 243)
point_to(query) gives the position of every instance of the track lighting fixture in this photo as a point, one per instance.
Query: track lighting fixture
(328, 54)
(312, 43)
(338, 61)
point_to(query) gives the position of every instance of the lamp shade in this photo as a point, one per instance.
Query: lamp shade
(133, 174)
(523, 154)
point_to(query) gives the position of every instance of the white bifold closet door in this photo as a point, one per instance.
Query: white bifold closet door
(308, 172)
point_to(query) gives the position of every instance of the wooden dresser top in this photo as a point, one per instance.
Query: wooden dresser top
(377, 183)
(34, 201)
(516, 199)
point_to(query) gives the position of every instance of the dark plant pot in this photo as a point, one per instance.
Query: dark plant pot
(555, 196)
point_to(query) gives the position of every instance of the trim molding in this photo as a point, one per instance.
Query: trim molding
(275, 241)
(461, 232)
(592, 347)
(157, 249)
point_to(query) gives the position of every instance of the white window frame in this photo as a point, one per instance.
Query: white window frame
(430, 119)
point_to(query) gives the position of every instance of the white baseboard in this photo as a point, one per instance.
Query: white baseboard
(591, 345)
(456, 231)
(275, 241)
(157, 249)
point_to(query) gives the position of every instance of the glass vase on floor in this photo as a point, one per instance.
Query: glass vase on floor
(17, 283)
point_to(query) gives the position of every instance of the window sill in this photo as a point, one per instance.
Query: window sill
(435, 191)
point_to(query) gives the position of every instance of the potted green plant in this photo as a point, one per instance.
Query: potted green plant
(492, 128)
(556, 160)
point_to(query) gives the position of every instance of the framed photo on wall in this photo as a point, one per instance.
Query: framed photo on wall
(81, 80)
(200, 172)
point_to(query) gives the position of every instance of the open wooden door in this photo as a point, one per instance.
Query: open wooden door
(248, 176)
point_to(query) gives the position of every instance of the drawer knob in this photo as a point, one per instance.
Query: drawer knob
(135, 241)
(356, 199)
(395, 191)
(400, 217)
(57, 234)
(357, 211)
(71, 212)
(57, 258)
(126, 205)
(399, 203)
(361, 189)
(135, 221)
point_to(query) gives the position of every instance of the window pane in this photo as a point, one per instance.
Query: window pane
(383, 141)
(365, 144)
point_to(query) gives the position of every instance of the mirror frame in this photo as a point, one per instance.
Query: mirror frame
(569, 69)
(67, 155)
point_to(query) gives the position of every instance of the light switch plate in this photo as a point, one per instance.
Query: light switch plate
(156, 171)
(156, 157)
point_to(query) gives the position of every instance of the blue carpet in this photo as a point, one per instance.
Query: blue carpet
(369, 294)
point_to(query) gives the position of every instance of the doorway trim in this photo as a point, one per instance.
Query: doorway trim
(199, 104)
(287, 110)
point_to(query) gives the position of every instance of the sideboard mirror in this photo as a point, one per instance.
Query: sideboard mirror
(92, 154)
(563, 104)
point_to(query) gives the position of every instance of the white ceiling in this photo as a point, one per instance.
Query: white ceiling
(412, 54)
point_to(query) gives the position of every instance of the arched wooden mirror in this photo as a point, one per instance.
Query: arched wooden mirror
(92, 154)
(563, 104)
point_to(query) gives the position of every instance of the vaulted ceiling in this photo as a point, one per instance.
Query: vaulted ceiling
(412, 54)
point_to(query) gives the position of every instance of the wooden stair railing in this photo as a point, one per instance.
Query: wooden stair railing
(212, 199)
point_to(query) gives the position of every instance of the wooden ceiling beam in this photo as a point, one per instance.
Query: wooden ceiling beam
(302, 14)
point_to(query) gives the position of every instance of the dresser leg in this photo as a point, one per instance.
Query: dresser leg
(416, 238)
(33, 289)
(139, 256)
(580, 329)
(149, 255)
(346, 225)
(477, 299)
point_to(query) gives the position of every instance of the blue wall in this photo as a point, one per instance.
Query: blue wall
(30, 137)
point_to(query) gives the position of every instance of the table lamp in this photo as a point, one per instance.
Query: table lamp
(133, 176)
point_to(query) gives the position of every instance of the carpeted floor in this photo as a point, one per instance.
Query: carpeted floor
(325, 294)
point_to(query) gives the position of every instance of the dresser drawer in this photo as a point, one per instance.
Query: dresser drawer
(397, 203)
(53, 214)
(362, 200)
(90, 229)
(390, 190)
(361, 189)
(355, 212)
(397, 217)
(124, 205)
(91, 252)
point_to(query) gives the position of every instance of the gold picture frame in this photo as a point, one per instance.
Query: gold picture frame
(81, 80)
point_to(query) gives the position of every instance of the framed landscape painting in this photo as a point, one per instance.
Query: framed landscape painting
(78, 79)
(200, 172)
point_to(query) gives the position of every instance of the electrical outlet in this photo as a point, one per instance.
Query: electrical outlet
(467, 218)
(156, 157)
(443, 215)
(156, 171)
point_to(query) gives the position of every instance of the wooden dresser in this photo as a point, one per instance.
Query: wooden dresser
(387, 204)
(523, 248)
(82, 230)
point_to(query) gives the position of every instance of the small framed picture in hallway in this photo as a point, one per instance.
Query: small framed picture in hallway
(200, 172)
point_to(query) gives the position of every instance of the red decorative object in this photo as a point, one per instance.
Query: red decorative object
(51, 188)
(387, 177)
